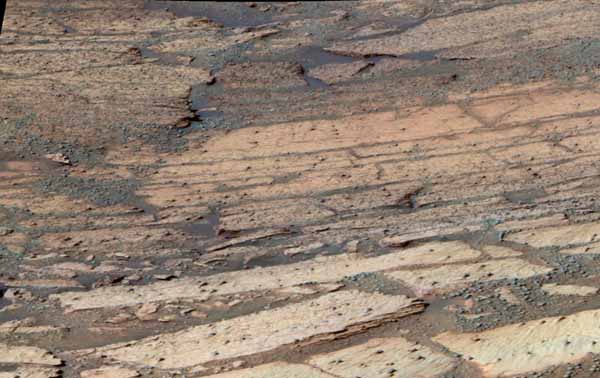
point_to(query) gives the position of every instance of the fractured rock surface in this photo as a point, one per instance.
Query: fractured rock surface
(459, 275)
(276, 370)
(320, 270)
(26, 355)
(402, 188)
(382, 357)
(327, 317)
(534, 345)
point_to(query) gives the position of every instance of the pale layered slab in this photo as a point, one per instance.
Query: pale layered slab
(556, 289)
(275, 370)
(449, 277)
(325, 318)
(378, 358)
(558, 236)
(321, 270)
(26, 354)
(533, 346)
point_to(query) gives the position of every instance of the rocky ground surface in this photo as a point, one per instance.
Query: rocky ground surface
(294, 190)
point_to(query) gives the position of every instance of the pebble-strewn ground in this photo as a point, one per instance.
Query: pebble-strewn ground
(300, 190)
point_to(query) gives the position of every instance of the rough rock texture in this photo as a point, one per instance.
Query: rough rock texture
(276, 370)
(319, 270)
(534, 345)
(26, 355)
(110, 372)
(296, 189)
(380, 357)
(328, 317)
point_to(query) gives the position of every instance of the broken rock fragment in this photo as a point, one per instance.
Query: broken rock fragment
(146, 311)
(59, 158)
(558, 236)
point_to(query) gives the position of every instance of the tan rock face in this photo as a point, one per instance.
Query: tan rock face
(275, 370)
(533, 346)
(320, 270)
(558, 236)
(46, 283)
(328, 317)
(110, 372)
(375, 358)
(27, 355)
(454, 276)
(556, 289)
(382, 357)
(26, 326)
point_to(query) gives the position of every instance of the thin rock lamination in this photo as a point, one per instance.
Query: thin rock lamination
(328, 317)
